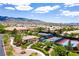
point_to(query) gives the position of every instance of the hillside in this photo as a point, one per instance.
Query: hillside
(19, 20)
(13, 20)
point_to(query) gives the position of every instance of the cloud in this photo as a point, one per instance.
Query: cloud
(28, 2)
(23, 7)
(10, 8)
(45, 9)
(71, 4)
(70, 13)
(19, 4)
(15, 2)
(0, 4)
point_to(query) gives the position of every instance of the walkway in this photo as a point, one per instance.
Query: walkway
(28, 49)
(42, 54)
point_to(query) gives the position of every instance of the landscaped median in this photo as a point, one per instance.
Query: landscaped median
(8, 47)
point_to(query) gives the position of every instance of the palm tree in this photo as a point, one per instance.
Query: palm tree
(49, 30)
(18, 39)
(14, 32)
(69, 47)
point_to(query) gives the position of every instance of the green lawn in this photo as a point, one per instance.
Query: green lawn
(41, 46)
(34, 54)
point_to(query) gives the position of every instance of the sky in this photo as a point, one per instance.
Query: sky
(48, 12)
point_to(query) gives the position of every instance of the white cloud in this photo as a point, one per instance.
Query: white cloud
(0, 4)
(71, 4)
(23, 7)
(19, 4)
(15, 2)
(45, 9)
(10, 8)
(28, 2)
(70, 13)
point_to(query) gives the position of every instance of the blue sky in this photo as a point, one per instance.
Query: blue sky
(49, 12)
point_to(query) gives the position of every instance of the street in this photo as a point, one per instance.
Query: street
(1, 46)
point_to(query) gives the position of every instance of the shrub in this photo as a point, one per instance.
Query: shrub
(9, 51)
(60, 51)
(40, 49)
(53, 53)
(5, 39)
(34, 54)
(2, 28)
(72, 54)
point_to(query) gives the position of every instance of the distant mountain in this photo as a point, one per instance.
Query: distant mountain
(75, 24)
(3, 18)
(30, 21)
(8, 19)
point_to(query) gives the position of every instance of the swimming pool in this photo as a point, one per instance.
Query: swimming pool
(74, 43)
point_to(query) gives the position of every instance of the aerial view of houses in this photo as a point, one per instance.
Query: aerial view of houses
(42, 32)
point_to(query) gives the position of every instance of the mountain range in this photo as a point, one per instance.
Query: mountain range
(29, 21)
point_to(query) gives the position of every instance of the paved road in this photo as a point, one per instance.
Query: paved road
(1, 46)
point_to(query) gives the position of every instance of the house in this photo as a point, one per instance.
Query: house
(45, 36)
(19, 28)
(30, 38)
(55, 39)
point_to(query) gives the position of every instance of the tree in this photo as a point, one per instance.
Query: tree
(78, 46)
(23, 46)
(60, 31)
(35, 33)
(29, 32)
(2, 28)
(69, 46)
(18, 39)
(59, 51)
(14, 32)
(49, 43)
(49, 30)
(39, 29)
(6, 39)
(26, 32)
